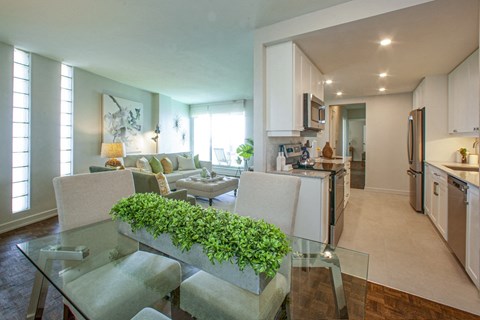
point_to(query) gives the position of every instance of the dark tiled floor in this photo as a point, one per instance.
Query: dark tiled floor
(357, 174)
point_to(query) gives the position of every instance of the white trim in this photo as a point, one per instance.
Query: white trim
(12, 225)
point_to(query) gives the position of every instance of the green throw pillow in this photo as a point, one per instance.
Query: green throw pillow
(197, 162)
(156, 165)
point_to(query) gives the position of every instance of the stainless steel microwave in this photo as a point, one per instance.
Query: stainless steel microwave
(313, 112)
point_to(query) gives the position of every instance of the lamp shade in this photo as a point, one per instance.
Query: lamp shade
(113, 150)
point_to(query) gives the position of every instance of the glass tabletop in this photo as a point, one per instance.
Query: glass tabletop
(326, 282)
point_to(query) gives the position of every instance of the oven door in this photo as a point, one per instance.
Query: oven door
(336, 217)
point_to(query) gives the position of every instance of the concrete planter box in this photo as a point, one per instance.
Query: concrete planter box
(246, 279)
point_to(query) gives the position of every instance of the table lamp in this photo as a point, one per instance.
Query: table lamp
(112, 151)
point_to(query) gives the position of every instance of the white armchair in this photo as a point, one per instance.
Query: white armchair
(270, 197)
(109, 289)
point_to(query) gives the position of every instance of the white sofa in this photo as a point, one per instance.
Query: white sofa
(130, 161)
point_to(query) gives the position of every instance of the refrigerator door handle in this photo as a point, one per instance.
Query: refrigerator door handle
(410, 140)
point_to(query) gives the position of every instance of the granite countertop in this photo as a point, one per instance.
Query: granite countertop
(470, 177)
(336, 159)
(303, 173)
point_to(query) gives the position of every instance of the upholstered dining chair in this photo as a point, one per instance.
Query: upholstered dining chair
(265, 196)
(109, 289)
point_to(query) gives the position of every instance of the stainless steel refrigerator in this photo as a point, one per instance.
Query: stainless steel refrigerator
(416, 156)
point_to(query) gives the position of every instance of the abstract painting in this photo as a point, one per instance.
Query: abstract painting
(123, 122)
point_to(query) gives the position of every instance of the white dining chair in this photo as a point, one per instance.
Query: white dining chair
(109, 289)
(265, 196)
(150, 314)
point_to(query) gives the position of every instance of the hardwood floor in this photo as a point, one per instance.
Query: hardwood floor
(16, 278)
(357, 174)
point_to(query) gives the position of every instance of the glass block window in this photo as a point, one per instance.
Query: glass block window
(66, 121)
(21, 132)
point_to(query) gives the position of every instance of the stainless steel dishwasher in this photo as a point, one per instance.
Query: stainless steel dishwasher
(457, 217)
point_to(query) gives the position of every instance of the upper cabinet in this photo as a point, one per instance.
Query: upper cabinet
(289, 74)
(463, 96)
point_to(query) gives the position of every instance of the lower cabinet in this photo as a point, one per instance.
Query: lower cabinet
(436, 198)
(312, 210)
(472, 263)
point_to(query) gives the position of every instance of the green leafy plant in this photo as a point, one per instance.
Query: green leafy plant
(224, 236)
(246, 150)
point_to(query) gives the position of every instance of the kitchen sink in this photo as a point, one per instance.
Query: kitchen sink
(462, 168)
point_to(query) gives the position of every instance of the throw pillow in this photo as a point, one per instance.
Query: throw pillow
(162, 184)
(196, 159)
(167, 165)
(156, 165)
(185, 163)
(143, 165)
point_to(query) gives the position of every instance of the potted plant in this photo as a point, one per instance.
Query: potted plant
(238, 249)
(246, 151)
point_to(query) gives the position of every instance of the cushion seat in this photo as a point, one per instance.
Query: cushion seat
(150, 314)
(203, 295)
(158, 274)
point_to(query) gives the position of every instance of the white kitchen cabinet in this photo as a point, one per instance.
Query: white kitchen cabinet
(312, 210)
(428, 191)
(419, 96)
(289, 74)
(463, 96)
(436, 199)
(472, 261)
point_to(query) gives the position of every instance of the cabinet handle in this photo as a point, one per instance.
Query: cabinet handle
(436, 174)
(454, 130)
(435, 185)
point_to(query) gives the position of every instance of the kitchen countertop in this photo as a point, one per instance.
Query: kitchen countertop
(336, 159)
(470, 177)
(303, 173)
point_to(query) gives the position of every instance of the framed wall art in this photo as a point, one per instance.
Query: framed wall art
(123, 122)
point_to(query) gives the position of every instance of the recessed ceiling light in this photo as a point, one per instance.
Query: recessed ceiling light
(385, 42)
(329, 81)
(383, 75)
(339, 93)
(381, 89)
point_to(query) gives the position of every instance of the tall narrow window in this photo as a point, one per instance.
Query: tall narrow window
(21, 132)
(66, 121)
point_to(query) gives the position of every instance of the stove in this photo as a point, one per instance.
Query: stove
(293, 154)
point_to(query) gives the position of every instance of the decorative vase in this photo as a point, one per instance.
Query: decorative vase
(327, 151)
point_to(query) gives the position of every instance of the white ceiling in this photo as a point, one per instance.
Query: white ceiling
(198, 51)
(191, 50)
(427, 39)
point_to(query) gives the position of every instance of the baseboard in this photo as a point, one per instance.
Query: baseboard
(391, 191)
(11, 225)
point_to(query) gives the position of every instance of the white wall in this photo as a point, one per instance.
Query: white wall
(45, 142)
(386, 151)
(88, 91)
(173, 138)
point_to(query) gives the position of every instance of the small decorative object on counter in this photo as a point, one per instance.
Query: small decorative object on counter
(213, 174)
(327, 151)
(464, 153)
(280, 160)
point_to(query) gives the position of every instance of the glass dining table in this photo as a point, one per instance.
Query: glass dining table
(325, 282)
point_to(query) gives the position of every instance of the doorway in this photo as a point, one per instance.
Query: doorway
(348, 138)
